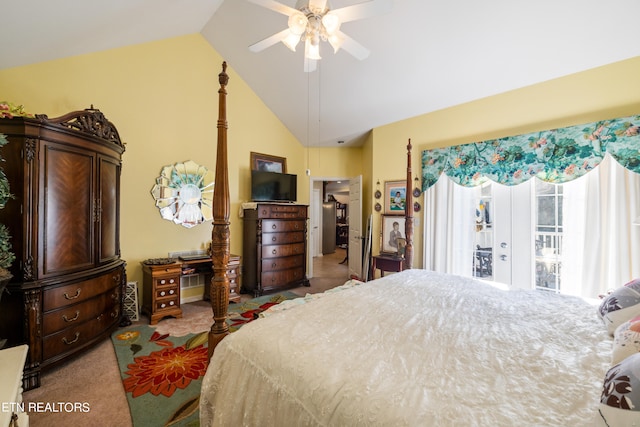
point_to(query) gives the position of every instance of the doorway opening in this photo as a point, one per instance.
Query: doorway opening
(329, 231)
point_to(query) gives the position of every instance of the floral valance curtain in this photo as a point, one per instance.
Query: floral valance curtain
(557, 155)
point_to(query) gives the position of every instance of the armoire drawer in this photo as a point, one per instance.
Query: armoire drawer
(57, 320)
(54, 298)
(282, 226)
(74, 337)
(273, 264)
(276, 251)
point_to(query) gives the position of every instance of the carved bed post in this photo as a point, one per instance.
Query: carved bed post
(408, 213)
(219, 293)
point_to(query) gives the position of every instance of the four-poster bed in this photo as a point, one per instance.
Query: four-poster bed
(412, 348)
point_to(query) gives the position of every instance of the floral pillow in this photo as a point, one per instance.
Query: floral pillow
(626, 340)
(620, 305)
(620, 399)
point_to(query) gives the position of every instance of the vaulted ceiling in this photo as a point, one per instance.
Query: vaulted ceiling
(425, 54)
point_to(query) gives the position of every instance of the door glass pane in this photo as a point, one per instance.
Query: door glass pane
(482, 256)
(548, 236)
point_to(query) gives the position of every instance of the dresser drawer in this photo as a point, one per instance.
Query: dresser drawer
(76, 314)
(282, 238)
(274, 264)
(75, 337)
(54, 298)
(282, 211)
(275, 251)
(282, 226)
(167, 303)
(166, 291)
(279, 278)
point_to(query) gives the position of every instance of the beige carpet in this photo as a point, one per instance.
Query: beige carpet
(94, 377)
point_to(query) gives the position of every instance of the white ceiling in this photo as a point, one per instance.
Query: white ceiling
(425, 54)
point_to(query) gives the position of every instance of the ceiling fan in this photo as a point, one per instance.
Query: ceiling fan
(313, 21)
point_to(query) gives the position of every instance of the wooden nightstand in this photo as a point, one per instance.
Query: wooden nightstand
(161, 292)
(386, 263)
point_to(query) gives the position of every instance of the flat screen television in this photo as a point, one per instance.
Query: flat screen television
(273, 186)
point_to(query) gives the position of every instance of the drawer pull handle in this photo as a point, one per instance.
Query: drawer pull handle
(171, 292)
(115, 313)
(74, 318)
(162, 293)
(66, 295)
(273, 265)
(273, 239)
(77, 337)
(172, 281)
(171, 302)
(162, 282)
(163, 305)
(274, 226)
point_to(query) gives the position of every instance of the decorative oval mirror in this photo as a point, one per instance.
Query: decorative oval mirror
(184, 193)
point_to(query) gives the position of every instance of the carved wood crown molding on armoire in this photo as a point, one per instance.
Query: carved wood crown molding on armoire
(64, 221)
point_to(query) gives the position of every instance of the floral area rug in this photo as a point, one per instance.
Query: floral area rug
(162, 365)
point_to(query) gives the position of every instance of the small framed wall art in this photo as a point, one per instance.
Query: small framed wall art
(392, 234)
(268, 163)
(395, 195)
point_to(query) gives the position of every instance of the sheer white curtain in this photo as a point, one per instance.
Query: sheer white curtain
(449, 209)
(601, 245)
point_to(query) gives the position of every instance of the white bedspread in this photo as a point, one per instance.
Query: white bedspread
(415, 348)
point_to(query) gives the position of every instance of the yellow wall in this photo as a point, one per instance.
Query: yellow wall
(601, 93)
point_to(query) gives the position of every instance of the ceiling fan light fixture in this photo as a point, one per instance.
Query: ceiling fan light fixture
(291, 41)
(331, 23)
(336, 41)
(311, 50)
(298, 23)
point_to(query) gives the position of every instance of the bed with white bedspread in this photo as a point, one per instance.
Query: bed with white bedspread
(416, 348)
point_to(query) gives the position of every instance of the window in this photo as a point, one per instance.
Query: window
(548, 235)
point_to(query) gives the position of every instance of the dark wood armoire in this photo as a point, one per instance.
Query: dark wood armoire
(67, 291)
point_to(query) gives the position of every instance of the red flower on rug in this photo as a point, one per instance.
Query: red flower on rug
(250, 315)
(165, 371)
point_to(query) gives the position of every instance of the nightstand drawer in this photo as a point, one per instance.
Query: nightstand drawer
(167, 303)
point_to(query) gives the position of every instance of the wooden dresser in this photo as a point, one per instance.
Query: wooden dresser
(274, 247)
(67, 290)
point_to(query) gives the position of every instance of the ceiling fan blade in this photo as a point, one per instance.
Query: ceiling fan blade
(363, 10)
(353, 47)
(275, 6)
(269, 41)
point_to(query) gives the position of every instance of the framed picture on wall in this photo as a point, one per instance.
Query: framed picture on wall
(268, 163)
(393, 238)
(395, 195)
